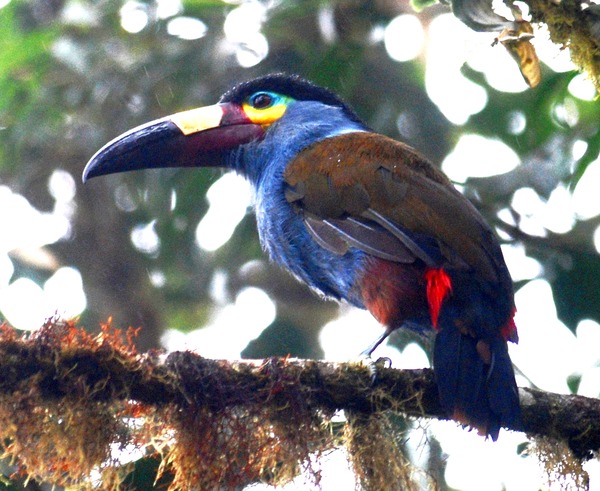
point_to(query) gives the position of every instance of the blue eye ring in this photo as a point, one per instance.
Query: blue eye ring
(262, 100)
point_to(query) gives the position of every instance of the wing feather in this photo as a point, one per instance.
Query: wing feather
(337, 235)
(373, 193)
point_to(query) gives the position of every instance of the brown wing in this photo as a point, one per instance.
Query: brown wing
(355, 189)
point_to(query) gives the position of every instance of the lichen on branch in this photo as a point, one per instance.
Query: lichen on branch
(69, 401)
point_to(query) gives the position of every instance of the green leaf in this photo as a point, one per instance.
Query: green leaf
(419, 5)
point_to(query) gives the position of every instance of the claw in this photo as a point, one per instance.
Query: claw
(365, 356)
(375, 365)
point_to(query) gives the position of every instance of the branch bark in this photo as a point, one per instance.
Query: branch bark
(104, 369)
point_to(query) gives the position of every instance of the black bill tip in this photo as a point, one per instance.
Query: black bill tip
(153, 143)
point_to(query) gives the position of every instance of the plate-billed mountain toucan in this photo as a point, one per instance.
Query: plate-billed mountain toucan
(358, 217)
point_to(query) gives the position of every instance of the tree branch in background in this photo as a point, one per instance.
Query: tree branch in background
(571, 25)
(69, 400)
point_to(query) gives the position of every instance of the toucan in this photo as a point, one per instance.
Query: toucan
(359, 217)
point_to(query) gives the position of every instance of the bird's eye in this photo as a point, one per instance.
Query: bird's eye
(262, 100)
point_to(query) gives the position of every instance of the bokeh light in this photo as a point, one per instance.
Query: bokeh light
(582, 88)
(26, 227)
(242, 29)
(188, 28)
(230, 331)
(145, 239)
(134, 16)
(479, 156)
(229, 198)
(585, 196)
(168, 8)
(541, 332)
(404, 37)
(455, 95)
(26, 305)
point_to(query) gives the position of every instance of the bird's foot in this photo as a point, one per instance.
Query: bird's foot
(375, 365)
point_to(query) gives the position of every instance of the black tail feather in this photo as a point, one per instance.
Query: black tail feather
(474, 390)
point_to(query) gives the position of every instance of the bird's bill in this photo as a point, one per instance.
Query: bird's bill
(196, 138)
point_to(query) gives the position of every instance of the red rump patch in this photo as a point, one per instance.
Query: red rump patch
(509, 330)
(439, 286)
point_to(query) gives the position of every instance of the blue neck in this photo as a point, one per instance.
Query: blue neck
(282, 231)
(304, 123)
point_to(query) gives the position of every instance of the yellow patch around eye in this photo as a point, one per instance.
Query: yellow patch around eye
(264, 116)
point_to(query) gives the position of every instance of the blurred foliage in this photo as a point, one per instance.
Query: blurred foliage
(71, 78)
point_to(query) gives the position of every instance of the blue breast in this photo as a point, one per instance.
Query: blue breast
(282, 231)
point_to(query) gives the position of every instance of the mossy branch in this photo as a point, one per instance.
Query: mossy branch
(571, 26)
(75, 395)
